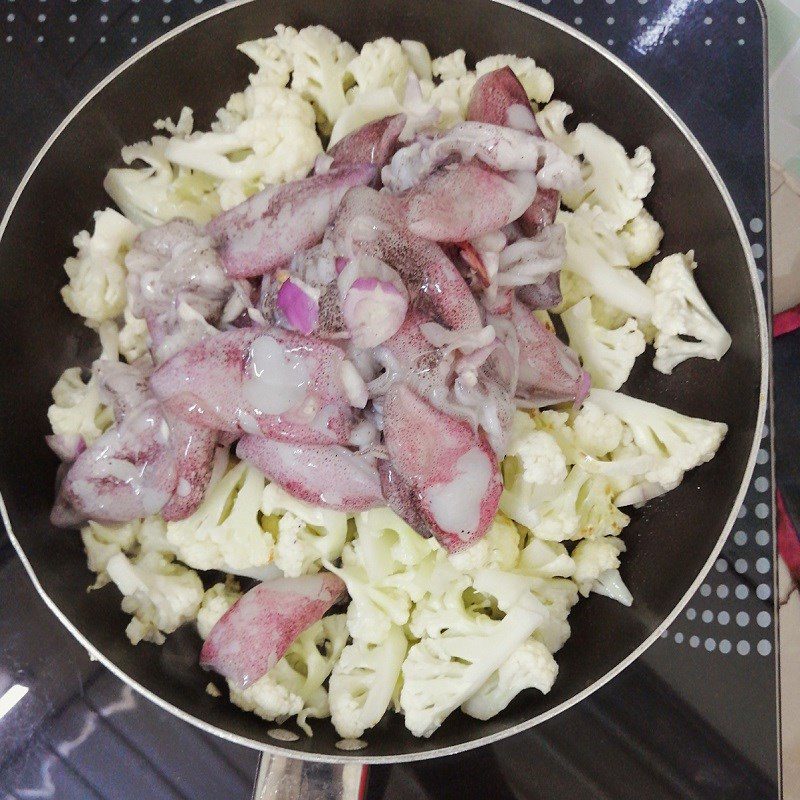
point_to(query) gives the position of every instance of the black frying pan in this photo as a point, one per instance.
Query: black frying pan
(671, 543)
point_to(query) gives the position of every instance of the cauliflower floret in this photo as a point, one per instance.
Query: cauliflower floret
(419, 59)
(134, 337)
(160, 594)
(498, 548)
(680, 311)
(272, 55)
(216, 601)
(96, 288)
(611, 180)
(386, 569)
(581, 506)
(451, 97)
(381, 63)
(607, 355)
(76, 409)
(541, 459)
(595, 253)
(441, 673)
(530, 666)
(274, 141)
(363, 683)
(543, 559)
(294, 686)
(304, 534)
(226, 531)
(558, 595)
(596, 432)
(450, 66)
(663, 443)
(597, 568)
(103, 541)
(537, 82)
(552, 119)
(321, 60)
(641, 238)
(159, 192)
(365, 107)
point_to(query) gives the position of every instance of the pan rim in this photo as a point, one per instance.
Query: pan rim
(764, 341)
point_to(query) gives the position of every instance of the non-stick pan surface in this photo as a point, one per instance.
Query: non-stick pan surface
(670, 544)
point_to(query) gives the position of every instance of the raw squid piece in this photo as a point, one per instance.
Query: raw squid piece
(265, 380)
(465, 201)
(500, 99)
(193, 447)
(546, 294)
(374, 143)
(370, 222)
(255, 633)
(549, 371)
(264, 232)
(453, 481)
(129, 472)
(323, 475)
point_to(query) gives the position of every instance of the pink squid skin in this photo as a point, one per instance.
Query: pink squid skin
(549, 371)
(262, 234)
(129, 472)
(374, 143)
(371, 222)
(429, 451)
(464, 201)
(193, 446)
(402, 499)
(499, 98)
(546, 294)
(330, 476)
(206, 384)
(256, 631)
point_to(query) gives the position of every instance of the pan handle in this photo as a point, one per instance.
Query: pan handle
(281, 778)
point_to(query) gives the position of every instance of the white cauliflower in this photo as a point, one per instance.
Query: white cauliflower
(450, 66)
(158, 192)
(272, 55)
(596, 433)
(365, 107)
(294, 686)
(103, 541)
(597, 568)
(304, 534)
(77, 409)
(641, 238)
(134, 337)
(552, 122)
(160, 594)
(530, 666)
(321, 60)
(96, 288)
(226, 531)
(216, 601)
(663, 444)
(611, 180)
(386, 569)
(418, 57)
(441, 673)
(363, 683)
(542, 559)
(380, 63)
(537, 82)
(607, 355)
(268, 136)
(451, 97)
(595, 253)
(498, 548)
(686, 326)
(541, 459)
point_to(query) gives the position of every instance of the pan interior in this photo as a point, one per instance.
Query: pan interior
(668, 544)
